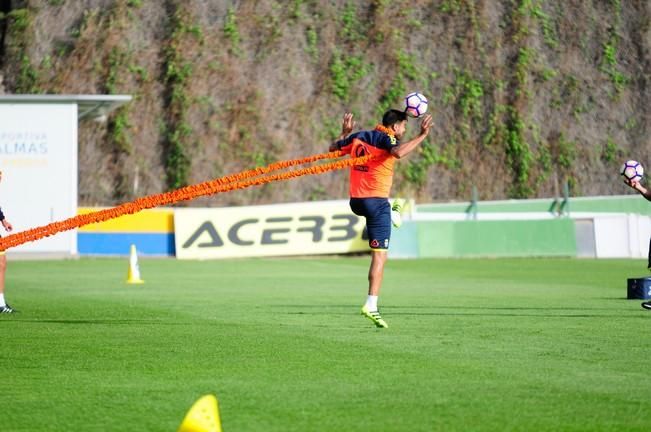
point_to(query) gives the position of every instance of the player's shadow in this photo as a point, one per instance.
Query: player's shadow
(512, 311)
(491, 311)
(99, 321)
(505, 308)
(314, 306)
(539, 315)
(617, 298)
(410, 307)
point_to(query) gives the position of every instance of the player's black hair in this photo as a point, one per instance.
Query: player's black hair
(392, 117)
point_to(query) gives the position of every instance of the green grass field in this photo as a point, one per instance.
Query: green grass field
(522, 344)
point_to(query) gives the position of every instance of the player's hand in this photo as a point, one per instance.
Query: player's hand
(426, 124)
(347, 124)
(635, 184)
(7, 225)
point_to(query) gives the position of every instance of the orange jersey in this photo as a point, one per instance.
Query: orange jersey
(374, 178)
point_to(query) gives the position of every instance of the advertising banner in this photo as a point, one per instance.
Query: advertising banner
(38, 160)
(326, 227)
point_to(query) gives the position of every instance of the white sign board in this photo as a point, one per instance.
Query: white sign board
(325, 227)
(622, 236)
(38, 160)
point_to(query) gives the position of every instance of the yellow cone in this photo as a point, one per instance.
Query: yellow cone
(133, 277)
(203, 416)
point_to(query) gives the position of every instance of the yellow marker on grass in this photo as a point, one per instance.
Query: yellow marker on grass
(203, 416)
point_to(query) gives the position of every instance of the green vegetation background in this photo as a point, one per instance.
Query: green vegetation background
(526, 94)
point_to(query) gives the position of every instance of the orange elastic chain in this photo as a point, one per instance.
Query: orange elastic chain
(242, 180)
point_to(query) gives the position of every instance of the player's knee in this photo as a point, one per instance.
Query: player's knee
(378, 258)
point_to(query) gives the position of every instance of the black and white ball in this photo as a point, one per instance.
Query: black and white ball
(632, 170)
(415, 105)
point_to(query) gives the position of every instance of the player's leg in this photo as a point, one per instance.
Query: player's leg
(4, 307)
(375, 275)
(376, 271)
(647, 304)
(397, 208)
(378, 225)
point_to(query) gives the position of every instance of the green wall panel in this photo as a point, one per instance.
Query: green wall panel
(554, 237)
(404, 241)
(632, 203)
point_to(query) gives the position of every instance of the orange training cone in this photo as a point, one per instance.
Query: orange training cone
(203, 416)
(133, 277)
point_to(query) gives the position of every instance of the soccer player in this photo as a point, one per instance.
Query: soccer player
(370, 185)
(646, 193)
(4, 307)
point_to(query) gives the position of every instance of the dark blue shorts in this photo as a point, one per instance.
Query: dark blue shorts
(377, 212)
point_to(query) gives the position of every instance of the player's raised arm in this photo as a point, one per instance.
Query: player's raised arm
(635, 184)
(405, 148)
(347, 125)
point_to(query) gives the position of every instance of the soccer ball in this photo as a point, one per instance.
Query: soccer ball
(632, 170)
(415, 104)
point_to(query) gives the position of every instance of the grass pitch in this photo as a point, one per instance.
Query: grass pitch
(527, 344)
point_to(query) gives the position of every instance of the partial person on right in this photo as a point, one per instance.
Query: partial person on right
(646, 193)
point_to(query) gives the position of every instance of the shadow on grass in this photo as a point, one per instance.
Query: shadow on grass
(553, 312)
(479, 314)
(100, 321)
(539, 315)
(410, 307)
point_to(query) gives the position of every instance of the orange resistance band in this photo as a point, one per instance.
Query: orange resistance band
(245, 179)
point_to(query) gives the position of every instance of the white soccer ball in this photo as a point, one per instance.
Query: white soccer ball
(632, 170)
(415, 104)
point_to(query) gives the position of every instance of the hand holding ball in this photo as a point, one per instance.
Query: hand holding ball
(632, 171)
